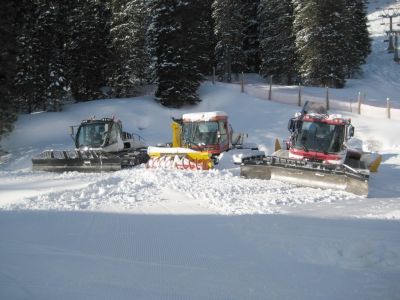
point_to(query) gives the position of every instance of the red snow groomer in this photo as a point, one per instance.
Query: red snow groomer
(319, 153)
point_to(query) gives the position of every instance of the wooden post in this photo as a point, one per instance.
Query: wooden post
(299, 100)
(390, 32)
(242, 83)
(364, 100)
(359, 103)
(213, 76)
(396, 50)
(270, 88)
(327, 98)
(388, 107)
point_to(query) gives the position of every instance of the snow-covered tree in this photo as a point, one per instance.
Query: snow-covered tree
(358, 42)
(320, 41)
(32, 61)
(203, 35)
(9, 19)
(229, 34)
(173, 40)
(251, 47)
(40, 78)
(54, 22)
(88, 48)
(277, 40)
(129, 23)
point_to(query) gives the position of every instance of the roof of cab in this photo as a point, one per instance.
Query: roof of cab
(205, 116)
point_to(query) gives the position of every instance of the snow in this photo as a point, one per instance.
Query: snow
(170, 234)
(203, 116)
(100, 256)
(175, 150)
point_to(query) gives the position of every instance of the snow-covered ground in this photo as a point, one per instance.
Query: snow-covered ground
(169, 234)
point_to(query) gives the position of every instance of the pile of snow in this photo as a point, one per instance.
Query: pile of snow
(141, 189)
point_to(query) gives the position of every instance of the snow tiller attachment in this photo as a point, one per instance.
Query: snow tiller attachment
(101, 146)
(179, 158)
(197, 141)
(321, 152)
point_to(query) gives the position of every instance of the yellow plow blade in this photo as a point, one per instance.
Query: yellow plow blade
(179, 158)
(371, 160)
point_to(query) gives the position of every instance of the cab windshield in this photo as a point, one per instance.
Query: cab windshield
(200, 133)
(91, 135)
(320, 137)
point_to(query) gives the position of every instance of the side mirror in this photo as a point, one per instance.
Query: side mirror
(218, 134)
(106, 127)
(351, 131)
(292, 125)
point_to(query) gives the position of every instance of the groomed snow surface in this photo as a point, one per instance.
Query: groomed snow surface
(170, 234)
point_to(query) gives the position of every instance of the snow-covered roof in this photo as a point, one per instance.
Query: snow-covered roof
(204, 116)
(330, 119)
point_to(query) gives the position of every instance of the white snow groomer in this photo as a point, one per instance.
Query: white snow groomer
(101, 145)
(198, 139)
(318, 154)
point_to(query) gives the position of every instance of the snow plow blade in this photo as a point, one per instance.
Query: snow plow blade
(338, 177)
(75, 160)
(178, 158)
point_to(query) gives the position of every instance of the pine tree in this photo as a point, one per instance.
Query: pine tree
(277, 40)
(57, 86)
(251, 45)
(88, 48)
(364, 40)
(320, 41)
(9, 20)
(130, 19)
(228, 28)
(358, 42)
(203, 33)
(32, 63)
(40, 78)
(173, 42)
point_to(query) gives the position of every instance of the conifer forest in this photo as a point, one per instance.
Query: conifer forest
(57, 50)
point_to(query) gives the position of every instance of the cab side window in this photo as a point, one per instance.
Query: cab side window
(114, 134)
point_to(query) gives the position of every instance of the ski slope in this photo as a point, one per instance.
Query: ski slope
(75, 255)
(169, 234)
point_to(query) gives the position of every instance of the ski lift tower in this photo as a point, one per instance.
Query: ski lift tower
(390, 13)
